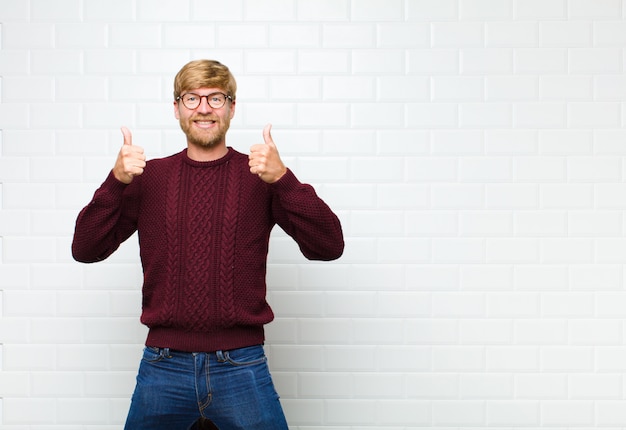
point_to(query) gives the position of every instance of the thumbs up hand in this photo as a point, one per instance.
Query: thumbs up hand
(130, 160)
(264, 160)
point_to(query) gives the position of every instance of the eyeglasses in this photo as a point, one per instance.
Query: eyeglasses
(215, 100)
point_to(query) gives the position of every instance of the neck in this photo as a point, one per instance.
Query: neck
(199, 153)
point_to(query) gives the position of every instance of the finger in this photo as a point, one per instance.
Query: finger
(128, 137)
(267, 134)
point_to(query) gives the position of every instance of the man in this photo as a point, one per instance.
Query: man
(203, 218)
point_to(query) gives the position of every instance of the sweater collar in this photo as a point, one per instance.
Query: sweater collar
(207, 164)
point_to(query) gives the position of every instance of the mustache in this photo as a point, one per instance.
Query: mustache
(201, 117)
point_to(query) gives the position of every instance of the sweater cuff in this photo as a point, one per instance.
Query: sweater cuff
(288, 182)
(111, 187)
(111, 182)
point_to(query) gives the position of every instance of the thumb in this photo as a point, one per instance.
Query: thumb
(128, 137)
(267, 134)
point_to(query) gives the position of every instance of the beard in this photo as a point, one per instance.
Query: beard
(205, 138)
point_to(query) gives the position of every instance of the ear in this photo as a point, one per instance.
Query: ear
(232, 108)
(176, 110)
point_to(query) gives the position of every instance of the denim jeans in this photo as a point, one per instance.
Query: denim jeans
(234, 389)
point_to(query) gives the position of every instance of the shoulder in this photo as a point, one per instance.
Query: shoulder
(165, 161)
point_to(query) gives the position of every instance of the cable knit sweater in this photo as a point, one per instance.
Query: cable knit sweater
(203, 231)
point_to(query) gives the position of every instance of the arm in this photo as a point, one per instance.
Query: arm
(107, 221)
(305, 217)
(295, 206)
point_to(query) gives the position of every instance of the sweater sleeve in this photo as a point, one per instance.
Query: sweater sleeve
(304, 216)
(107, 221)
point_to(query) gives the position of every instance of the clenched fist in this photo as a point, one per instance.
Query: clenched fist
(264, 160)
(130, 160)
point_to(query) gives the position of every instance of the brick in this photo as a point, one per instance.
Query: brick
(485, 332)
(551, 332)
(326, 385)
(404, 412)
(488, 115)
(189, 36)
(455, 413)
(348, 36)
(347, 88)
(483, 386)
(541, 277)
(596, 60)
(432, 115)
(452, 88)
(458, 250)
(594, 332)
(458, 34)
(429, 386)
(484, 224)
(510, 142)
(350, 358)
(510, 196)
(565, 34)
(325, 10)
(425, 10)
(540, 9)
(61, 10)
(485, 277)
(511, 34)
(609, 33)
(565, 142)
(540, 115)
(323, 61)
(239, 35)
(374, 62)
(485, 10)
(402, 35)
(512, 359)
(595, 277)
(440, 332)
(512, 251)
(467, 196)
(273, 10)
(228, 11)
(433, 61)
(570, 413)
(477, 61)
(143, 35)
(300, 36)
(513, 305)
(546, 61)
(554, 88)
(595, 224)
(432, 223)
(514, 412)
(603, 9)
(458, 305)
(610, 413)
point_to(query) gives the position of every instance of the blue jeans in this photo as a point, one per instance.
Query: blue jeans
(234, 389)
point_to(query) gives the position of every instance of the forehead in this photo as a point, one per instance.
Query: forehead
(204, 91)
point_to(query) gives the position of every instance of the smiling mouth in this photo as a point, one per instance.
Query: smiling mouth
(204, 123)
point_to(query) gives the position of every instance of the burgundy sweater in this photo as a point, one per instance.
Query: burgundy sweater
(203, 231)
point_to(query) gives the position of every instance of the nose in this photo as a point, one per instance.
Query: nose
(204, 105)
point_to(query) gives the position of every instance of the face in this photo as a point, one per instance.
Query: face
(204, 126)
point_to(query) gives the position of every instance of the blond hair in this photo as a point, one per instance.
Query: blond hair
(204, 74)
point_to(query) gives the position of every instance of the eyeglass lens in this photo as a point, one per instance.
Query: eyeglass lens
(215, 100)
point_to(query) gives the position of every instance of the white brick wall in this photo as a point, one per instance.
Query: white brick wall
(474, 150)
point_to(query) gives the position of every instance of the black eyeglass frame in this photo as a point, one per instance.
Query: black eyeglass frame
(208, 97)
